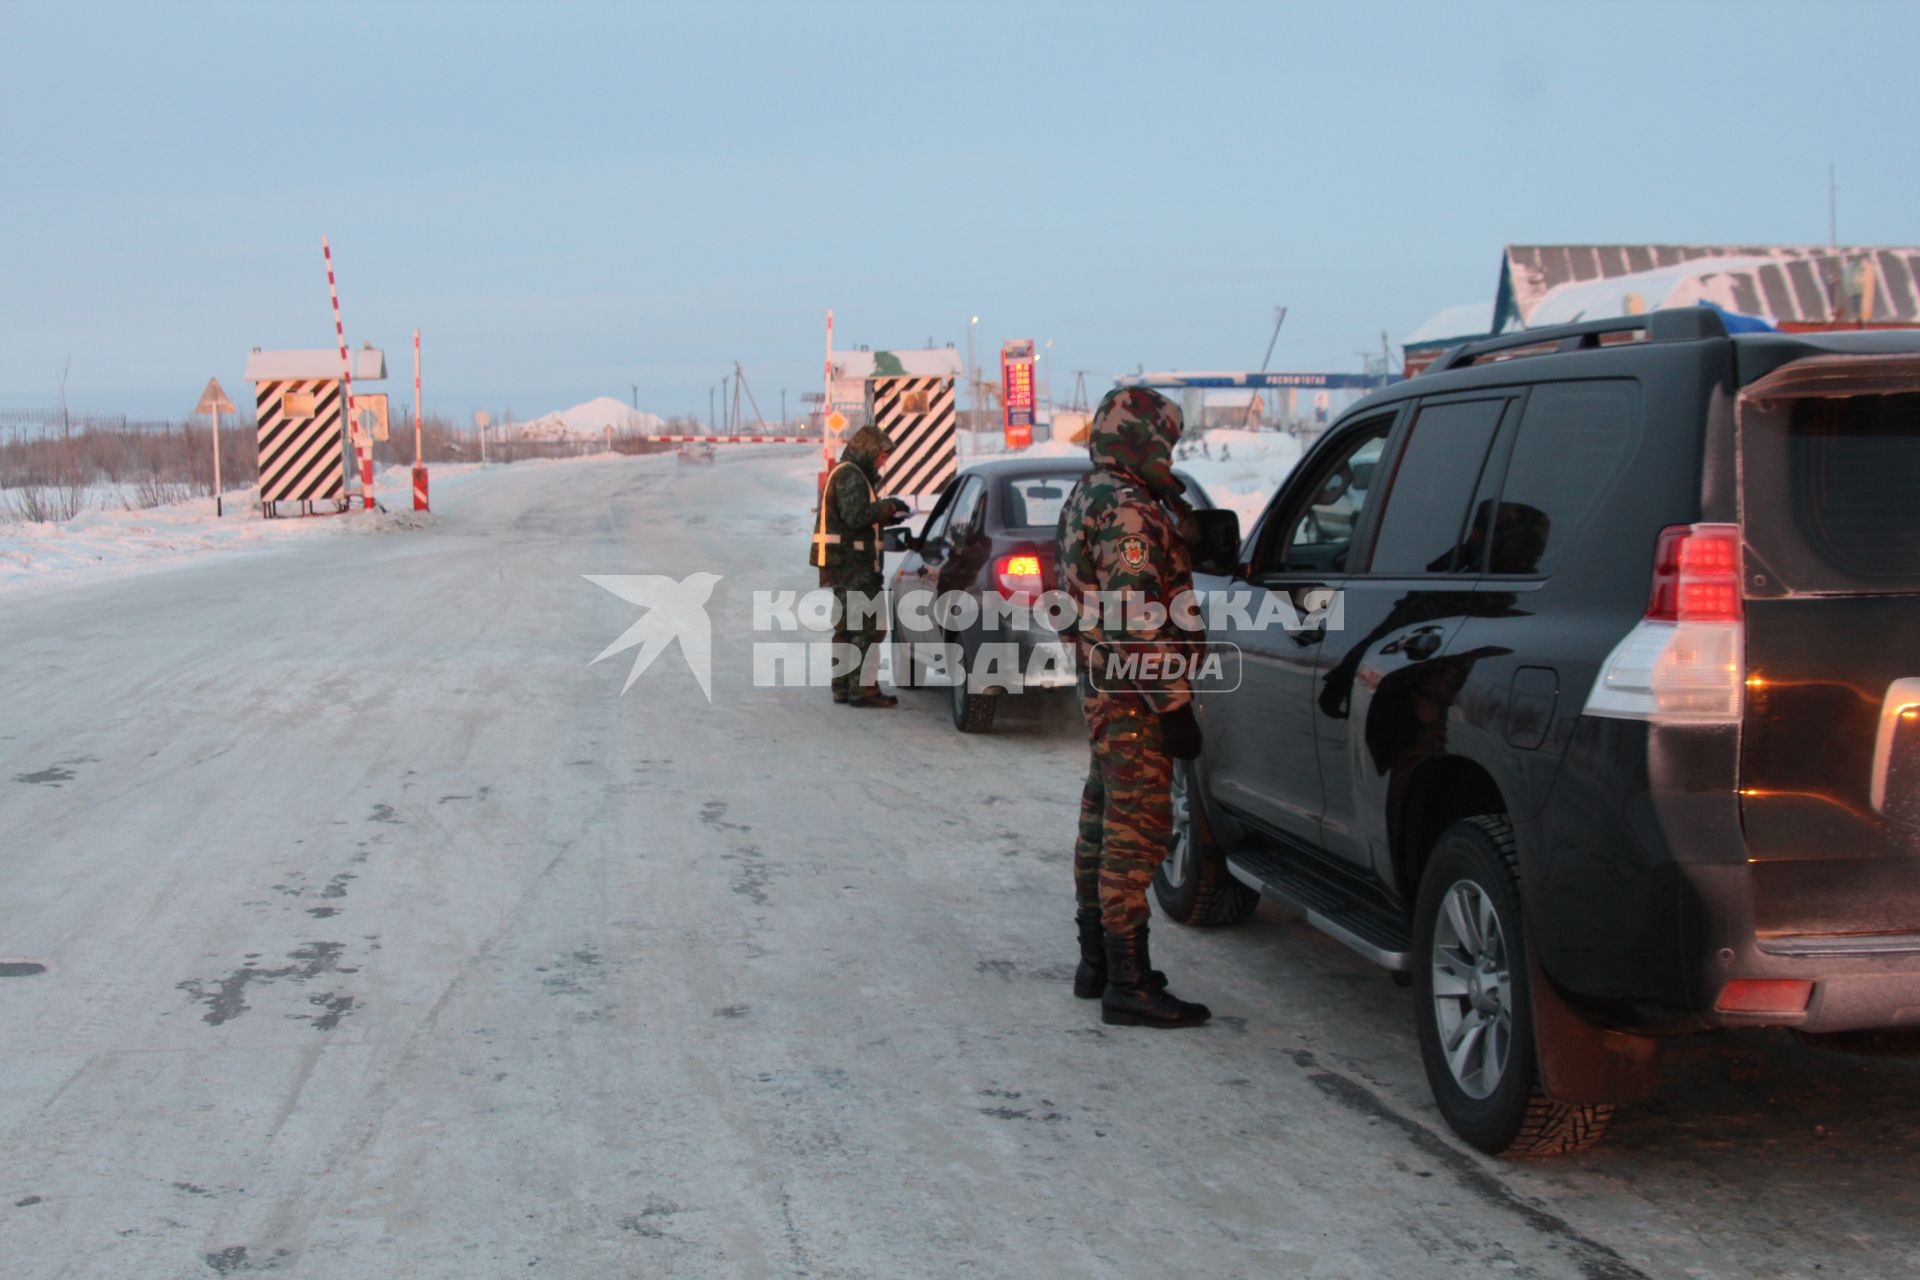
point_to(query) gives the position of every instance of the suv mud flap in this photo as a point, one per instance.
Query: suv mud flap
(1581, 1064)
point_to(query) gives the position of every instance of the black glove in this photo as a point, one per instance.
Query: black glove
(1181, 731)
(901, 511)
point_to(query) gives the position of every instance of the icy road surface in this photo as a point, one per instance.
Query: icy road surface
(383, 939)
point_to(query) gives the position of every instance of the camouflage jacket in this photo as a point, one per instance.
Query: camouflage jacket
(1116, 539)
(1119, 542)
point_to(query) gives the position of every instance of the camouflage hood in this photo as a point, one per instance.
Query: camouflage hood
(1133, 432)
(865, 448)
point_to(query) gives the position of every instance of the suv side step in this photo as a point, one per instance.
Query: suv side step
(1329, 906)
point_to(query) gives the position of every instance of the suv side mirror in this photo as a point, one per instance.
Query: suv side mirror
(899, 538)
(1218, 548)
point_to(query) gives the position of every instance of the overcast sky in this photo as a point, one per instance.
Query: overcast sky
(572, 199)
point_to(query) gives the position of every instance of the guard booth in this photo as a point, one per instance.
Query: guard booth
(909, 394)
(306, 455)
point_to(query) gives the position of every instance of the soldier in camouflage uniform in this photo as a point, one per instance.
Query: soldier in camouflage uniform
(847, 548)
(1119, 534)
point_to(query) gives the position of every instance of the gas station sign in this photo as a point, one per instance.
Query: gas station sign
(1016, 391)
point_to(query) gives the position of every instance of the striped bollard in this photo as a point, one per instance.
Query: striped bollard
(420, 489)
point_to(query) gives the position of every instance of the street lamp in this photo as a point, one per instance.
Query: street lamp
(973, 380)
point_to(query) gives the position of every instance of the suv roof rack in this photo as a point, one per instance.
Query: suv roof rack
(1673, 324)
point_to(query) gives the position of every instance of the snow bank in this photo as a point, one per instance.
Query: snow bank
(109, 539)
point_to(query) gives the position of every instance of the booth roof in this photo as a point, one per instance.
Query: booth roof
(924, 362)
(369, 365)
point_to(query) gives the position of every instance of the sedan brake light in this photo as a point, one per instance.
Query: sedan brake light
(1018, 577)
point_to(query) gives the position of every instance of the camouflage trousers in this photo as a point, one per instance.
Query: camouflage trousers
(1126, 813)
(864, 638)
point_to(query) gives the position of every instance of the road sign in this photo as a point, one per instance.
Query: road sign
(213, 399)
(482, 419)
(836, 422)
(372, 413)
(213, 403)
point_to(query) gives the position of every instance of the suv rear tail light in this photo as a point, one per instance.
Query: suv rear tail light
(1764, 995)
(1683, 663)
(1018, 577)
(1696, 574)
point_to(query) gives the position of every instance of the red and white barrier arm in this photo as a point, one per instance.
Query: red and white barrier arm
(734, 439)
(362, 448)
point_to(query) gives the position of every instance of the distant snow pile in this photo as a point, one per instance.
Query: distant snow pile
(591, 420)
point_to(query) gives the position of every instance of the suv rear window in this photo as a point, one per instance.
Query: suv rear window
(1830, 493)
(1856, 491)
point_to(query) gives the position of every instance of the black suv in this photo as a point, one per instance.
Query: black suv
(1615, 729)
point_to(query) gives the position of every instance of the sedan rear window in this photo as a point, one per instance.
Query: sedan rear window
(1035, 502)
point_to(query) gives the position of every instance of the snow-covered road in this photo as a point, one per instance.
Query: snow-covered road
(383, 938)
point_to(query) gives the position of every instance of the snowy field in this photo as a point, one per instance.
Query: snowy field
(107, 538)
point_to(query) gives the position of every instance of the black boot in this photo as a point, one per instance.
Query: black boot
(1090, 979)
(1130, 999)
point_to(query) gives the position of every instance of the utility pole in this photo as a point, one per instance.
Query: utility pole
(1279, 318)
(709, 408)
(1080, 390)
(636, 397)
(739, 385)
(1833, 208)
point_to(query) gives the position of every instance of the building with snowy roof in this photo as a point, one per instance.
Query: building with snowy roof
(1448, 327)
(1792, 287)
(1797, 288)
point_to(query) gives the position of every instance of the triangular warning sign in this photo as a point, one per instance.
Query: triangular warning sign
(213, 399)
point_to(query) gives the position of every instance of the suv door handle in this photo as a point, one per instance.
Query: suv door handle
(1422, 644)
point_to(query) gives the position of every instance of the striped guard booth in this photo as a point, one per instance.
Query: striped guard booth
(301, 459)
(301, 412)
(918, 414)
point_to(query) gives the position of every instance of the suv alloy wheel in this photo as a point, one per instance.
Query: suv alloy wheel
(1472, 1004)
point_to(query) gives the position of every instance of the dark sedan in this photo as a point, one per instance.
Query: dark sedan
(990, 534)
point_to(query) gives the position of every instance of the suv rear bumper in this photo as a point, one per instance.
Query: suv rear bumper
(1860, 982)
(1641, 898)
